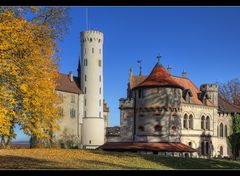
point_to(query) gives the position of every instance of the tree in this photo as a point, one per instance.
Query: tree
(230, 91)
(28, 73)
(234, 138)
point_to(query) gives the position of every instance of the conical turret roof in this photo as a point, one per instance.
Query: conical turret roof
(159, 77)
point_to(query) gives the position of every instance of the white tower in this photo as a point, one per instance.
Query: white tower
(92, 86)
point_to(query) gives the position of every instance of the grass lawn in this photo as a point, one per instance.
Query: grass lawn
(83, 159)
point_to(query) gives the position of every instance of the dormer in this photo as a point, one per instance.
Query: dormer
(203, 96)
(187, 93)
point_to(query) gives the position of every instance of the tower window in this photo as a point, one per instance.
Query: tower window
(158, 128)
(90, 39)
(99, 63)
(100, 114)
(85, 102)
(85, 90)
(141, 128)
(85, 77)
(100, 102)
(221, 130)
(100, 78)
(92, 50)
(72, 99)
(100, 51)
(85, 114)
(85, 62)
(100, 90)
(85, 50)
(226, 133)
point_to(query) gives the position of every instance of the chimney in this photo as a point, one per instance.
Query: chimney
(130, 74)
(169, 69)
(70, 76)
(184, 73)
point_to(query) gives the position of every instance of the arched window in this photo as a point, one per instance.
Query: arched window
(158, 128)
(226, 134)
(208, 122)
(218, 131)
(221, 150)
(190, 121)
(207, 147)
(141, 128)
(185, 121)
(202, 122)
(202, 148)
(221, 130)
(190, 144)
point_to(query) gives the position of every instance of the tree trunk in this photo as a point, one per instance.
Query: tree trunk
(3, 142)
(8, 142)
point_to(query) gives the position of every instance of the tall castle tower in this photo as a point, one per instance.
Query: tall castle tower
(92, 85)
(212, 90)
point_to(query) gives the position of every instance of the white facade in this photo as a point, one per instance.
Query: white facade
(92, 86)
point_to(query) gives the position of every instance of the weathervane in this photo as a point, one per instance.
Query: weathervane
(158, 59)
(140, 67)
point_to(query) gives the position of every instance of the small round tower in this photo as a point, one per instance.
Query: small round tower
(92, 86)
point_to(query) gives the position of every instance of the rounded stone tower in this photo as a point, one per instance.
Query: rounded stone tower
(92, 86)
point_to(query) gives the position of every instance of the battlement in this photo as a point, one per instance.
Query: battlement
(91, 36)
(126, 103)
(209, 87)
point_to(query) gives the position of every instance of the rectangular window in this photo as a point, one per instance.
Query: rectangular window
(85, 50)
(72, 99)
(85, 114)
(99, 51)
(85, 90)
(85, 77)
(99, 114)
(85, 102)
(100, 102)
(99, 63)
(100, 90)
(100, 78)
(72, 113)
(92, 50)
(85, 62)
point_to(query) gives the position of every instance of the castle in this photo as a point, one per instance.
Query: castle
(169, 115)
(163, 113)
(84, 113)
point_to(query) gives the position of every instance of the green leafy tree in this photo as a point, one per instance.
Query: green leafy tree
(234, 138)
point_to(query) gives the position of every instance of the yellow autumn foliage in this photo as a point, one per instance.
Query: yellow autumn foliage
(28, 73)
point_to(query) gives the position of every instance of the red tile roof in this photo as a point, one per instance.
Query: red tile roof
(131, 146)
(159, 77)
(184, 82)
(66, 85)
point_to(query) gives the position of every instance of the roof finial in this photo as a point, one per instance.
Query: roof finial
(158, 59)
(140, 67)
(184, 73)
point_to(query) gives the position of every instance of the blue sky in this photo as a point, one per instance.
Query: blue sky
(205, 41)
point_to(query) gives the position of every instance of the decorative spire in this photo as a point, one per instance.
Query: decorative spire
(158, 59)
(184, 73)
(140, 67)
(169, 69)
(130, 74)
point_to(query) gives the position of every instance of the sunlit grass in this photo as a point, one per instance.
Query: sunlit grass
(89, 159)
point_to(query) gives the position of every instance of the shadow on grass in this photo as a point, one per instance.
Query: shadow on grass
(192, 163)
(93, 164)
(17, 162)
(178, 162)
